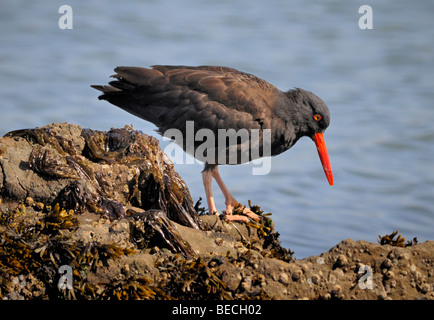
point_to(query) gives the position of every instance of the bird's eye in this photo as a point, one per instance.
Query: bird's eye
(317, 117)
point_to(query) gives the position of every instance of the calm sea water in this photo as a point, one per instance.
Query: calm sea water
(378, 84)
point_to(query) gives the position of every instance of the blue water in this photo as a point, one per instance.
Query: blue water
(379, 85)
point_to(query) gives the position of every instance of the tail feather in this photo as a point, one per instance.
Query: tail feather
(122, 85)
(104, 88)
(126, 92)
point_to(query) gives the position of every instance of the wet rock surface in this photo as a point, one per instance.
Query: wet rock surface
(108, 210)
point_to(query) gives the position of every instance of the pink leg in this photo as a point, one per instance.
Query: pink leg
(229, 199)
(207, 180)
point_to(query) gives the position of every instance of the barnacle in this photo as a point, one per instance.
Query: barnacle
(45, 136)
(152, 228)
(44, 160)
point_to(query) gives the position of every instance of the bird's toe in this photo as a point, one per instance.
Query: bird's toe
(236, 217)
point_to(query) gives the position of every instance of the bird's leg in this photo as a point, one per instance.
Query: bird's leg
(207, 180)
(230, 200)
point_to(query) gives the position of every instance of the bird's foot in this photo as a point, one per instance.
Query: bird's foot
(240, 213)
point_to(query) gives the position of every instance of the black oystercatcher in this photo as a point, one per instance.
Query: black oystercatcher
(214, 98)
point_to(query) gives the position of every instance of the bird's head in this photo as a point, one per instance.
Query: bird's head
(315, 118)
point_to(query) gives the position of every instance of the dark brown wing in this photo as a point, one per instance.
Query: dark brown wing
(213, 97)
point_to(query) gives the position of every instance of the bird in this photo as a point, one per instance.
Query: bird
(216, 98)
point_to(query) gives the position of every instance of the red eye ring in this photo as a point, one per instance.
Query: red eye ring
(317, 117)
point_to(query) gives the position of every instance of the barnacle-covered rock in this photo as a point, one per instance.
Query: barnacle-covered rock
(87, 214)
(104, 172)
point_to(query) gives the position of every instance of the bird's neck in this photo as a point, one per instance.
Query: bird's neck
(294, 109)
(289, 115)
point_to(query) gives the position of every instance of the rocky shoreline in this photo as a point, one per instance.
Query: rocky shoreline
(103, 215)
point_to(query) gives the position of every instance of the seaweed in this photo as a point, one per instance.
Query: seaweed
(32, 244)
(199, 208)
(190, 279)
(59, 219)
(398, 242)
(133, 289)
(271, 246)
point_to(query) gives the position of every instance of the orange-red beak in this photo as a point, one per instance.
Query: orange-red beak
(318, 138)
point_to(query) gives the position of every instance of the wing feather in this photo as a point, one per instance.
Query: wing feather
(214, 97)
